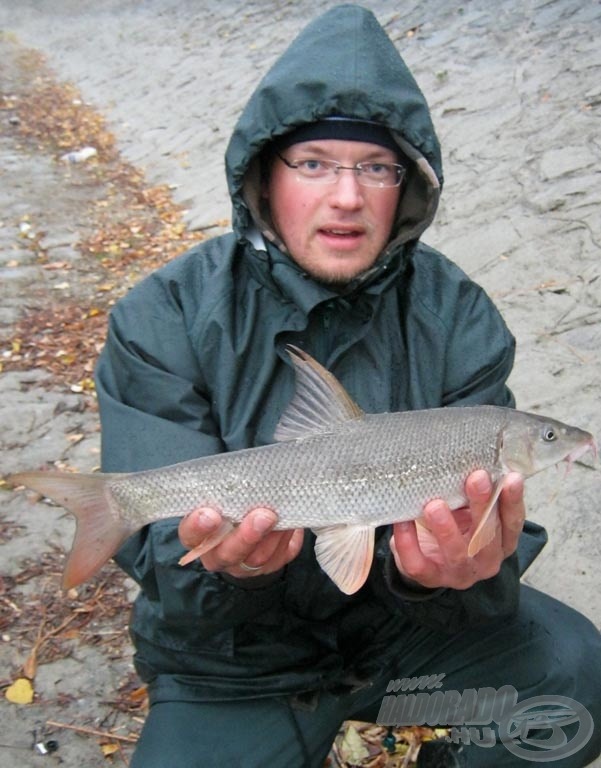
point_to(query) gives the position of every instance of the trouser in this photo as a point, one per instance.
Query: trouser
(547, 650)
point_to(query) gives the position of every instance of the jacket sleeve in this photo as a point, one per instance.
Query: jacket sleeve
(153, 413)
(479, 354)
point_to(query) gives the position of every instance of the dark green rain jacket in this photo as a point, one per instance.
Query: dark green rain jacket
(194, 364)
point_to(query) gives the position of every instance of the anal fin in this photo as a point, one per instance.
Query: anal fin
(345, 553)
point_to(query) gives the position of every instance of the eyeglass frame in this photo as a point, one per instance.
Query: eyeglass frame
(358, 170)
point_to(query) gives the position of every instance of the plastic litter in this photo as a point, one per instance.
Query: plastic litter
(79, 155)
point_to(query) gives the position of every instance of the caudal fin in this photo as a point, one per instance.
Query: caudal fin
(99, 533)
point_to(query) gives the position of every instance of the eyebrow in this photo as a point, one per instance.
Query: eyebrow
(376, 153)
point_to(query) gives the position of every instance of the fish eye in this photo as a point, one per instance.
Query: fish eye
(549, 434)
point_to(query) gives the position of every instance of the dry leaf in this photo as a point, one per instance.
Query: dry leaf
(139, 694)
(352, 748)
(20, 692)
(31, 664)
(53, 265)
(109, 749)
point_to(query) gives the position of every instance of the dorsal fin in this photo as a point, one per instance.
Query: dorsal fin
(320, 401)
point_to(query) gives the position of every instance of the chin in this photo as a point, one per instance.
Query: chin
(337, 277)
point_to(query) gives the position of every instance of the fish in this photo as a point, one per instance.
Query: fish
(332, 468)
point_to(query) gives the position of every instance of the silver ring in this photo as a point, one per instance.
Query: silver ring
(249, 568)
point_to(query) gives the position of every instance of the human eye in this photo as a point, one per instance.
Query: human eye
(378, 171)
(312, 167)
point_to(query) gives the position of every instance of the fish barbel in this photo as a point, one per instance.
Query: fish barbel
(333, 469)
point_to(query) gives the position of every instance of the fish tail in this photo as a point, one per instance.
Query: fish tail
(99, 532)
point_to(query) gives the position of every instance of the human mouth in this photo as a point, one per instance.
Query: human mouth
(341, 235)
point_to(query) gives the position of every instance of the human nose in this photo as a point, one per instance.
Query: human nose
(346, 192)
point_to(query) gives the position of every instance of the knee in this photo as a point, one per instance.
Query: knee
(577, 651)
(566, 645)
(567, 656)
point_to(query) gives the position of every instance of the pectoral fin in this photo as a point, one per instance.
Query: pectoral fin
(345, 552)
(487, 527)
(209, 543)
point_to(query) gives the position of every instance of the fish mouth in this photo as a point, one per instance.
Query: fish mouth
(580, 451)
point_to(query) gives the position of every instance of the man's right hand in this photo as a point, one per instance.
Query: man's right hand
(253, 543)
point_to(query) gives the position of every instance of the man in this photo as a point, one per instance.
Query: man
(252, 655)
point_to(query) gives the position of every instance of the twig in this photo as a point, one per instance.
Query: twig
(92, 732)
(122, 755)
(551, 337)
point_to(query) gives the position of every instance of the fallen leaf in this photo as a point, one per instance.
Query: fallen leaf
(31, 665)
(109, 749)
(56, 265)
(139, 694)
(20, 692)
(352, 748)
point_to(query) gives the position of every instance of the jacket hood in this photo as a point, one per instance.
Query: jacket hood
(343, 63)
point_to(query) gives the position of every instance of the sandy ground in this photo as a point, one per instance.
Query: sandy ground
(516, 97)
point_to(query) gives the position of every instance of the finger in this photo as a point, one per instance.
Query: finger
(512, 512)
(295, 544)
(478, 489)
(289, 546)
(195, 527)
(267, 554)
(443, 526)
(408, 556)
(271, 554)
(242, 541)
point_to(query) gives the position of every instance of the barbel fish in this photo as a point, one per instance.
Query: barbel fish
(332, 468)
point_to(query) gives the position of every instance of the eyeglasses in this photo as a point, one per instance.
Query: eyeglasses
(315, 171)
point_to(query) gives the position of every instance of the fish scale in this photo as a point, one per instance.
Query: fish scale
(376, 469)
(332, 468)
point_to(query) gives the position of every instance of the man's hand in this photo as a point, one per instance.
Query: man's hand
(252, 543)
(436, 556)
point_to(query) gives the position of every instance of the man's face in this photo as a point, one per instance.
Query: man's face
(333, 231)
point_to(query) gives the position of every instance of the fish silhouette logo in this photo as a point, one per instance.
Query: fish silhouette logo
(534, 729)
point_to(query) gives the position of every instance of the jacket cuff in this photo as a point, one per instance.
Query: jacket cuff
(253, 582)
(405, 588)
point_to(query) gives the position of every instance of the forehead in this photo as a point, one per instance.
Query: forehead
(337, 149)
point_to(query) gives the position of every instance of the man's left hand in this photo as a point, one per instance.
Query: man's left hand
(436, 555)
